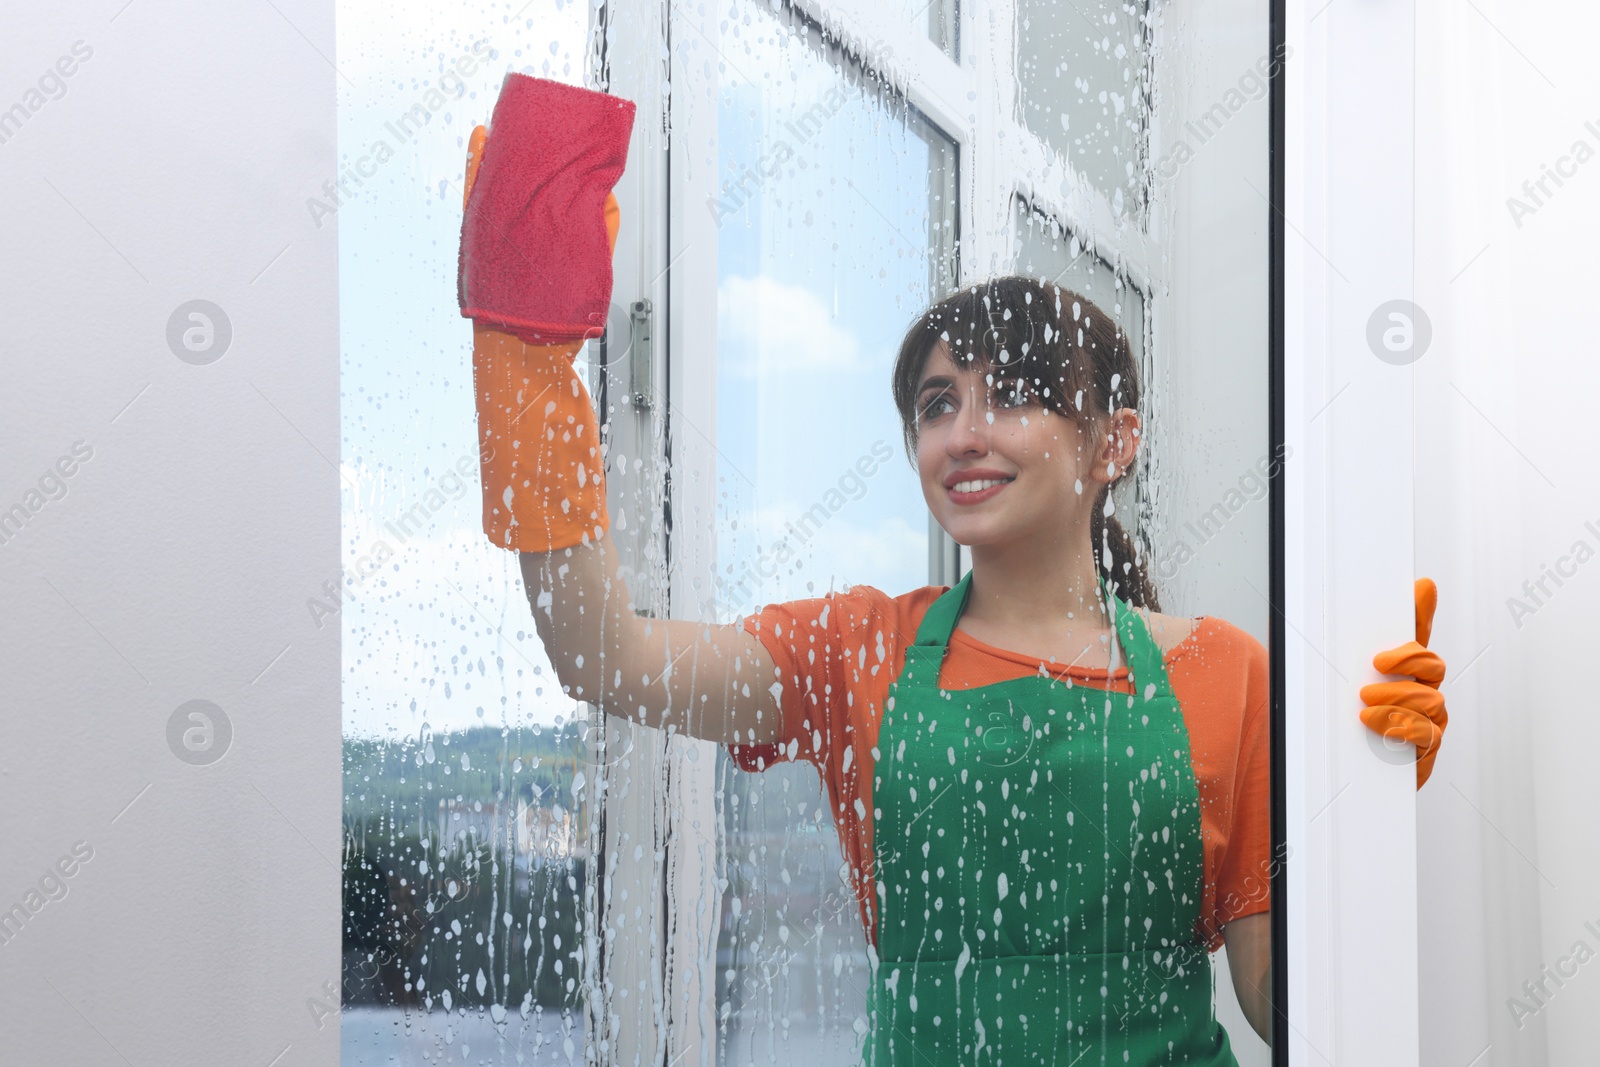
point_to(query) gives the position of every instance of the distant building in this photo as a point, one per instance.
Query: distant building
(470, 823)
(547, 834)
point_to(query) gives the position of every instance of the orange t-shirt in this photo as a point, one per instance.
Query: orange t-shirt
(837, 656)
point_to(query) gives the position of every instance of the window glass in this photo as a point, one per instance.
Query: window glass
(835, 222)
(836, 226)
(1045, 250)
(1083, 89)
(465, 858)
(1185, 277)
(476, 836)
(937, 19)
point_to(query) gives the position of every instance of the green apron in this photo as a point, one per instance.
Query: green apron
(1039, 869)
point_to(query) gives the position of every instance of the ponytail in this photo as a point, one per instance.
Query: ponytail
(1118, 559)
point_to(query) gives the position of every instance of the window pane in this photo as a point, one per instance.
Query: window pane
(1193, 503)
(937, 19)
(465, 864)
(1083, 89)
(1046, 250)
(837, 226)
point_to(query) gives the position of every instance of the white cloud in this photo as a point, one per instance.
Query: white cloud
(765, 328)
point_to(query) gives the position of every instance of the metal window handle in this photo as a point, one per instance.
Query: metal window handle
(640, 354)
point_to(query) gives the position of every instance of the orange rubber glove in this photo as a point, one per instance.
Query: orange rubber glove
(1412, 710)
(543, 474)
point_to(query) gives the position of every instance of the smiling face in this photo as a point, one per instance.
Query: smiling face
(1018, 401)
(997, 465)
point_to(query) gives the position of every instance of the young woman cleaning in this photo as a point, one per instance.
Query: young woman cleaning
(1054, 799)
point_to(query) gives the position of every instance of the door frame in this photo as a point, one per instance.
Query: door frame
(1343, 175)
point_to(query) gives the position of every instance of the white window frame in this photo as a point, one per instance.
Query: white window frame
(1351, 818)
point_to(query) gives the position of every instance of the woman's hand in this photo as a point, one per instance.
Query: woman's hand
(539, 442)
(1412, 710)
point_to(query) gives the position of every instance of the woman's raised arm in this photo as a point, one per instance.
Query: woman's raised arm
(714, 682)
(536, 284)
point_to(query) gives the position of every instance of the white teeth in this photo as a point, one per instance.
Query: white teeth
(976, 487)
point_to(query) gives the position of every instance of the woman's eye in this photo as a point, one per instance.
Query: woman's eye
(931, 408)
(1013, 398)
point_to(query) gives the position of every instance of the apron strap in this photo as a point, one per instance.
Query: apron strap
(1145, 664)
(1146, 668)
(940, 621)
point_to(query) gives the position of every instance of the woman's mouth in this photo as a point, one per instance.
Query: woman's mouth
(977, 490)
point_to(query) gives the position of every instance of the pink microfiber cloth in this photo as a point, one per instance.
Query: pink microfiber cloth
(535, 261)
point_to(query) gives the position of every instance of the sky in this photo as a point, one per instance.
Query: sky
(818, 275)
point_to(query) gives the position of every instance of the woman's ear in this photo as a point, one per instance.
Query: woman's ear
(1117, 441)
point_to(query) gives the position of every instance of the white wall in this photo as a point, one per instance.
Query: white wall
(1506, 481)
(178, 563)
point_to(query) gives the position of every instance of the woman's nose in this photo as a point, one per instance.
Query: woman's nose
(970, 432)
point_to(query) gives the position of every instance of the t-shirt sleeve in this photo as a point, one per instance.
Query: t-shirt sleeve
(812, 643)
(1244, 880)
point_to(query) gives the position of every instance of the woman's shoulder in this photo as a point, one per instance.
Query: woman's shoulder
(1214, 639)
(884, 622)
(1225, 669)
(1175, 635)
(1171, 633)
(1204, 639)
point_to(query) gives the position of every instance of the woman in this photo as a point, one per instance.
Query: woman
(1051, 795)
(1080, 841)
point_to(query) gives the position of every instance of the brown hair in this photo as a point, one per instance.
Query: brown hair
(1059, 346)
